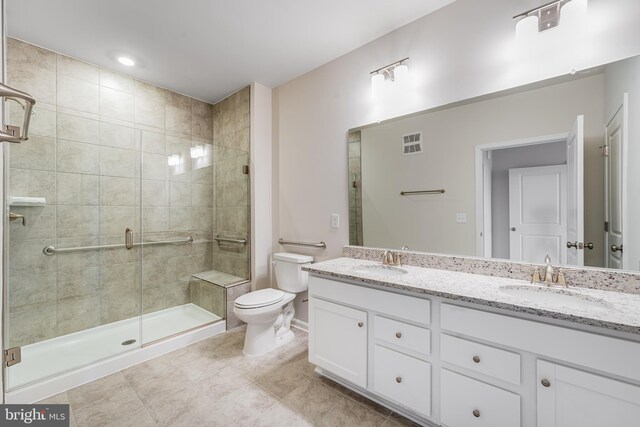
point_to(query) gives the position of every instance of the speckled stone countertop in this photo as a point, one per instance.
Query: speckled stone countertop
(605, 309)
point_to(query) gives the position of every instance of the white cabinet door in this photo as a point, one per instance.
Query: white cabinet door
(338, 340)
(569, 397)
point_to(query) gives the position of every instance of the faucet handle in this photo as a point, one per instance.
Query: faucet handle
(561, 279)
(396, 259)
(535, 277)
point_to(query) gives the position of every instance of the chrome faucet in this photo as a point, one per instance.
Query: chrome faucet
(391, 258)
(547, 276)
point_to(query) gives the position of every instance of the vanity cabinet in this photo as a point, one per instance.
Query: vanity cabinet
(340, 345)
(469, 366)
(569, 397)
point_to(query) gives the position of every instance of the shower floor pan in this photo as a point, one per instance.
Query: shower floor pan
(51, 357)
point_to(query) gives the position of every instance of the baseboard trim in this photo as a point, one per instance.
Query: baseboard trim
(299, 324)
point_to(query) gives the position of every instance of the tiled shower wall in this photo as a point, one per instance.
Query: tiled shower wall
(355, 189)
(98, 152)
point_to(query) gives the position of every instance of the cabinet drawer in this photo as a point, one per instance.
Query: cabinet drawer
(402, 379)
(417, 310)
(403, 335)
(497, 363)
(468, 403)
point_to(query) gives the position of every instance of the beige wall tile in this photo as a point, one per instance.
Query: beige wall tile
(150, 92)
(155, 219)
(149, 113)
(154, 166)
(154, 193)
(114, 219)
(43, 120)
(117, 191)
(40, 223)
(180, 218)
(77, 189)
(70, 67)
(78, 221)
(21, 53)
(119, 162)
(32, 323)
(26, 182)
(77, 314)
(77, 128)
(29, 288)
(78, 282)
(36, 81)
(153, 142)
(116, 104)
(77, 94)
(177, 120)
(180, 194)
(39, 153)
(119, 136)
(116, 81)
(77, 157)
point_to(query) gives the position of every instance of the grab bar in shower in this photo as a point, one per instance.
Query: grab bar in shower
(12, 133)
(320, 244)
(220, 238)
(52, 250)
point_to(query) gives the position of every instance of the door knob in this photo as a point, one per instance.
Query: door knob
(545, 382)
(589, 245)
(615, 248)
(572, 245)
(476, 413)
(360, 324)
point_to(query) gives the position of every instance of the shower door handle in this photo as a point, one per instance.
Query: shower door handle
(128, 238)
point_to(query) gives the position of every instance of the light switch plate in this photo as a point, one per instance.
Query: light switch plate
(335, 220)
(461, 218)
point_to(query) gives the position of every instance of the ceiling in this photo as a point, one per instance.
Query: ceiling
(210, 48)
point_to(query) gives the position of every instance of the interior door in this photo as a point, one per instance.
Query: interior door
(575, 193)
(614, 148)
(537, 213)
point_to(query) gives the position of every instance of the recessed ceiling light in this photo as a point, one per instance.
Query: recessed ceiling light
(126, 61)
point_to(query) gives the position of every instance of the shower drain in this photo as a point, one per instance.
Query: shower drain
(128, 342)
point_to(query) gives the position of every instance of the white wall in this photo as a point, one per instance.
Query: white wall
(261, 176)
(463, 50)
(509, 158)
(620, 78)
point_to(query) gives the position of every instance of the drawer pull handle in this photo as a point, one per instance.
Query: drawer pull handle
(398, 380)
(476, 359)
(398, 334)
(360, 324)
(476, 413)
(545, 382)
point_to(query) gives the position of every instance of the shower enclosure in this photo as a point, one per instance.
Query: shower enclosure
(136, 213)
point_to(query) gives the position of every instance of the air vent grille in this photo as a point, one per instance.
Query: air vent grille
(412, 144)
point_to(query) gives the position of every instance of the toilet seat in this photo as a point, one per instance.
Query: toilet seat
(261, 298)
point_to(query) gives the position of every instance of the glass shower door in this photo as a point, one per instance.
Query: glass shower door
(73, 289)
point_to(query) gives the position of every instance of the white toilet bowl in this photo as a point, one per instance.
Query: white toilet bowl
(268, 312)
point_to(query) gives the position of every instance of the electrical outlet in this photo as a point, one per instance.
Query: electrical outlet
(461, 218)
(335, 220)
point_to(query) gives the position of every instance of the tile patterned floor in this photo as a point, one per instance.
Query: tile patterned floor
(211, 383)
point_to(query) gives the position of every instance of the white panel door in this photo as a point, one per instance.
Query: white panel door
(614, 149)
(537, 213)
(575, 193)
(569, 397)
(338, 340)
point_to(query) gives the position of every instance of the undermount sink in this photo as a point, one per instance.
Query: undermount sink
(554, 297)
(380, 270)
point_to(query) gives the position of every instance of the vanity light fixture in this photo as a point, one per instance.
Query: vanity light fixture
(125, 60)
(547, 16)
(197, 151)
(173, 160)
(397, 72)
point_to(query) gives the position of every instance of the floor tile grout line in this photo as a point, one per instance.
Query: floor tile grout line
(144, 406)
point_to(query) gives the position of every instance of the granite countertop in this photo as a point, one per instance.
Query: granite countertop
(605, 309)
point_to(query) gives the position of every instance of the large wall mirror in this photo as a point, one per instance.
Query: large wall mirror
(552, 168)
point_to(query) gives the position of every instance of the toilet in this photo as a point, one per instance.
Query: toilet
(268, 312)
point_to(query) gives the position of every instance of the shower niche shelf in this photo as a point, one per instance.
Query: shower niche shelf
(27, 201)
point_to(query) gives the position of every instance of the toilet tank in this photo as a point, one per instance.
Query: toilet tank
(289, 274)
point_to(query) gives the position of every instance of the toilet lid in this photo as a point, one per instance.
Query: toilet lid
(261, 298)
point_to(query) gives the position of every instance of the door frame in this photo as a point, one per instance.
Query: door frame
(483, 188)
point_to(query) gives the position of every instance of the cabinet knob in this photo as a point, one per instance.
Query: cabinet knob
(398, 334)
(476, 359)
(476, 413)
(398, 380)
(545, 382)
(360, 324)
